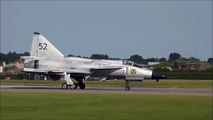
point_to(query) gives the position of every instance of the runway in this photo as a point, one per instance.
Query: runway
(134, 90)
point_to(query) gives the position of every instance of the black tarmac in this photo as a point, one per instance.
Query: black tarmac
(120, 90)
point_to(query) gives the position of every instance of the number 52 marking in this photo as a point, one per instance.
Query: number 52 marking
(42, 46)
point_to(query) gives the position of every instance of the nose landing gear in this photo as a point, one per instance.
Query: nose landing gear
(127, 87)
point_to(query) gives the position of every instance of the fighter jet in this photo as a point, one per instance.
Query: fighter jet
(47, 60)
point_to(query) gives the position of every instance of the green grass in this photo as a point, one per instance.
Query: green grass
(170, 83)
(63, 106)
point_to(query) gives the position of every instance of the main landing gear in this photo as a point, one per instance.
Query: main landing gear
(73, 86)
(70, 84)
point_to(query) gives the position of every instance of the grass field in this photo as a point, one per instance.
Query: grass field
(170, 83)
(63, 106)
(34, 105)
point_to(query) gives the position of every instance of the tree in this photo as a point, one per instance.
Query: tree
(152, 60)
(210, 60)
(70, 55)
(163, 60)
(99, 56)
(174, 56)
(137, 59)
(12, 56)
(24, 54)
(193, 59)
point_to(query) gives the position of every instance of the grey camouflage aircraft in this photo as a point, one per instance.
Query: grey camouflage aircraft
(45, 59)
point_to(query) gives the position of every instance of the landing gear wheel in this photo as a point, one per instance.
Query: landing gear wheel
(74, 86)
(82, 85)
(127, 88)
(64, 86)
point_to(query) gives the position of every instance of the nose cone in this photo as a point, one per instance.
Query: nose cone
(156, 75)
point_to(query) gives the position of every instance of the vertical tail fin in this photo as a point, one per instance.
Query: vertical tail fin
(43, 48)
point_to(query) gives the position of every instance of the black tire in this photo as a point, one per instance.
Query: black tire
(64, 86)
(74, 86)
(127, 88)
(82, 85)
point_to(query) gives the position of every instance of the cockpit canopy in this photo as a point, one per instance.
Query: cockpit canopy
(129, 62)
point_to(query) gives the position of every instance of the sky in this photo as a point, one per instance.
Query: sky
(116, 28)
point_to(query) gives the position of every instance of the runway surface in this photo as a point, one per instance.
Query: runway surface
(134, 90)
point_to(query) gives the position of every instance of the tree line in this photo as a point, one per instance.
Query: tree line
(173, 57)
(139, 59)
(12, 56)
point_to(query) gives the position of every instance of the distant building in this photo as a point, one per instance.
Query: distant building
(2, 65)
(153, 63)
(194, 66)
